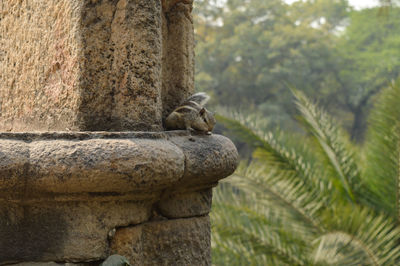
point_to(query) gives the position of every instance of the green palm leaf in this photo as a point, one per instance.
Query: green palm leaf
(358, 236)
(333, 146)
(281, 210)
(382, 161)
(257, 230)
(270, 149)
(282, 193)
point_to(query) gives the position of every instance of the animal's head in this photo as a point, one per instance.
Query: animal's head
(208, 119)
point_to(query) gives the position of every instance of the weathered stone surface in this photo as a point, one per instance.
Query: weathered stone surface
(14, 160)
(39, 58)
(115, 65)
(62, 230)
(48, 264)
(170, 242)
(113, 165)
(63, 193)
(94, 65)
(80, 65)
(207, 160)
(121, 68)
(37, 164)
(94, 165)
(178, 53)
(38, 264)
(52, 263)
(189, 204)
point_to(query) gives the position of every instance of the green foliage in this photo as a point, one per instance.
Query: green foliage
(302, 199)
(247, 51)
(332, 146)
(369, 51)
(382, 153)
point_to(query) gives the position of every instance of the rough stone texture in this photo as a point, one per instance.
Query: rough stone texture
(189, 204)
(61, 194)
(111, 165)
(14, 159)
(38, 264)
(80, 65)
(63, 231)
(52, 263)
(118, 165)
(178, 53)
(121, 71)
(74, 198)
(39, 58)
(37, 164)
(207, 158)
(169, 242)
(94, 65)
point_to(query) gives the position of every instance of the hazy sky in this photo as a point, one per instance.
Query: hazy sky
(356, 3)
(363, 3)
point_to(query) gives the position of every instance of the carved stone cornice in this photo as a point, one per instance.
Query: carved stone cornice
(55, 185)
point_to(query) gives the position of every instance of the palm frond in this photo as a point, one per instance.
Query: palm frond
(358, 236)
(271, 150)
(335, 149)
(278, 210)
(242, 127)
(254, 228)
(281, 192)
(382, 161)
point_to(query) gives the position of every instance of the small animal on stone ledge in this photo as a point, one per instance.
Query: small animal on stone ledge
(192, 115)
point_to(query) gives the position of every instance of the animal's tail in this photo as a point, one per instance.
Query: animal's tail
(200, 98)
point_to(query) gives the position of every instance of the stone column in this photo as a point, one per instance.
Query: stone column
(178, 53)
(86, 170)
(81, 65)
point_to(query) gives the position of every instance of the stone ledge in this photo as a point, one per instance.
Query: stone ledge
(41, 165)
(61, 194)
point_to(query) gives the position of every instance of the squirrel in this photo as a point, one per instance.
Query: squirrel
(191, 115)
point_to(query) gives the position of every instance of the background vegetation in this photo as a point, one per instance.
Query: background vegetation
(316, 186)
(249, 51)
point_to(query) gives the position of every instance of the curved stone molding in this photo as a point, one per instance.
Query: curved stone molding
(74, 163)
(94, 165)
(208, 158)
(63, 193)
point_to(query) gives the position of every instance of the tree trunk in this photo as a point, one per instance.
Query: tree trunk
(359, 124)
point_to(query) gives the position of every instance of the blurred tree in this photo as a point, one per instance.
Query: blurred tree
(248, 51)
(369, 50)
(389, 3)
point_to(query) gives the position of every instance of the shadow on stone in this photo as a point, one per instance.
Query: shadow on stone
(28, 233)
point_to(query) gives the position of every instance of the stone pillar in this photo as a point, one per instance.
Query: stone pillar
(81, 65)
(86, 170)
(178, 53)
